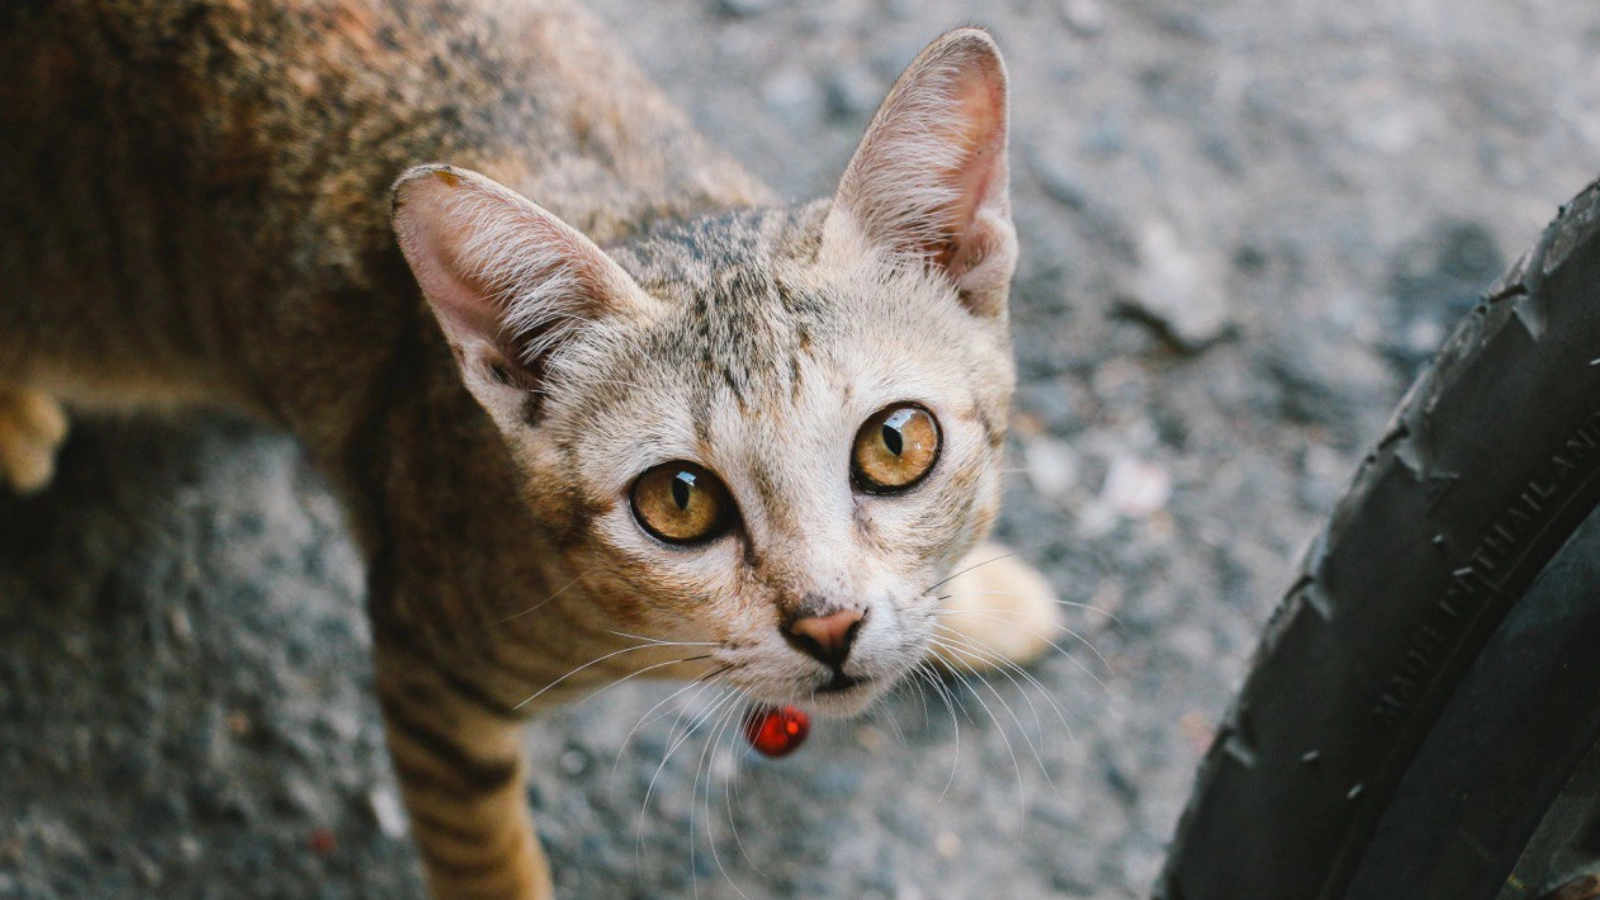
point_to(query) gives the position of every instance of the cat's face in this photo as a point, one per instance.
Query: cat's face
(773, 432)
(790, 436)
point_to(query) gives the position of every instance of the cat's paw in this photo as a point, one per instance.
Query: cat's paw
(32, 426)
(999, 610)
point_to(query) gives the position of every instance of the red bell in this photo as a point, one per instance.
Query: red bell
(776, 730)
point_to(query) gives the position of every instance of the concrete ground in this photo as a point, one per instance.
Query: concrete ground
(1245, 223)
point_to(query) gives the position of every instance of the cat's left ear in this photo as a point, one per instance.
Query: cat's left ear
(929, 179)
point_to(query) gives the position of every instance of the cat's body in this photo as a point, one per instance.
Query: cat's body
(194, 209)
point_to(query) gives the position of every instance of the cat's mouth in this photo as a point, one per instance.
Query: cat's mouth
(842, 683)
(842, 695)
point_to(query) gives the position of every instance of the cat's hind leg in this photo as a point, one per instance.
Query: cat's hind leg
(997, 611)
(32, 427)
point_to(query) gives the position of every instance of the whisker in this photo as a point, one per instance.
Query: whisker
(708, 754)
(1038, 720)
(1000, 730)
(650, 668)
(995, 614)
(735, 797)
(659, 642)
(1002, 664)
(588, 665)
(672, 747)
(699, 688)
(559, 591)
(729, 789)
(928, 676)
(956, 575)
(900, 688)
(1059, 602)
(702, 681)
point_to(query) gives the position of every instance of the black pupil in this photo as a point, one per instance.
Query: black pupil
(682, 486)
(892, 438)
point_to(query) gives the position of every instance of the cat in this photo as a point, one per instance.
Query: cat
(650, 421)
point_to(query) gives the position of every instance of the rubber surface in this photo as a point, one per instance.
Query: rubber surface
(1502, 751)
(1487, 466)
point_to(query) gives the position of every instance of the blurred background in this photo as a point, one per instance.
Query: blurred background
(1246, 224)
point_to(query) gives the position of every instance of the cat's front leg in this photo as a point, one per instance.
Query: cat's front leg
(460, 768)
(997, 610)
(32, 426)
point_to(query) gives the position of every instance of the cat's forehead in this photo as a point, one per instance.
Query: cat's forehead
(740, 309)
(759, 338)
(690, 253)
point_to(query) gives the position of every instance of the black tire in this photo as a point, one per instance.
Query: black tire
(1421, 717)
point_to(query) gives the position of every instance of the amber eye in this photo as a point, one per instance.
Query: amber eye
(895, 449)
(682, 503)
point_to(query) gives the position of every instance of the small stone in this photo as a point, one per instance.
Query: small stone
(1421, 337)
(148, 870)
(299, 794)
(388, 813)
(1436, 279)
(853, 93)
(76, 646)
(1058, 181)
(179, 626)
(1177, 290)
(1325, 473)
(1096, 520)
(871, 739)
(1135, 489)
(574, 761)
(947, 844)
(1086, 17)
(722, 766)
(901, 9)
(793, 95)
(1196, 729)
(342, 722)
(1192, 643)
(322, 841)
(742, 9)
(1052, 466)
(1105, 137)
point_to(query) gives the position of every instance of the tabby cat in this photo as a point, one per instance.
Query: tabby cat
(653, 408)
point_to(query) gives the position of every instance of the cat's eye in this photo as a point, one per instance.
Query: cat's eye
(895, 449)
(682, 503)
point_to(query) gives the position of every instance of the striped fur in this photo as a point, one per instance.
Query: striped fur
(195, 201)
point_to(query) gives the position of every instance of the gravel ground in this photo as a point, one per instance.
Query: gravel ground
(1246, 223)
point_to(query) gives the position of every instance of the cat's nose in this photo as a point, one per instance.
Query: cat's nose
(826, 639)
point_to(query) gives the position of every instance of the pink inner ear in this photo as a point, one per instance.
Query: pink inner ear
(981, 135)
(432, 233)
(466, 310)
(929, 179)
(499, 271)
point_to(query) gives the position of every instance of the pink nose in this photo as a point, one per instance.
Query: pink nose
(825, 638)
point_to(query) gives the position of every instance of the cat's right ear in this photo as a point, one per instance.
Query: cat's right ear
(928, 183)
(508, 281)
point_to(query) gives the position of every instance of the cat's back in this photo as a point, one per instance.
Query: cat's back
(193, 185)
(306, 110)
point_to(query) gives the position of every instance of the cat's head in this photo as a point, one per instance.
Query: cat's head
(774, 430)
